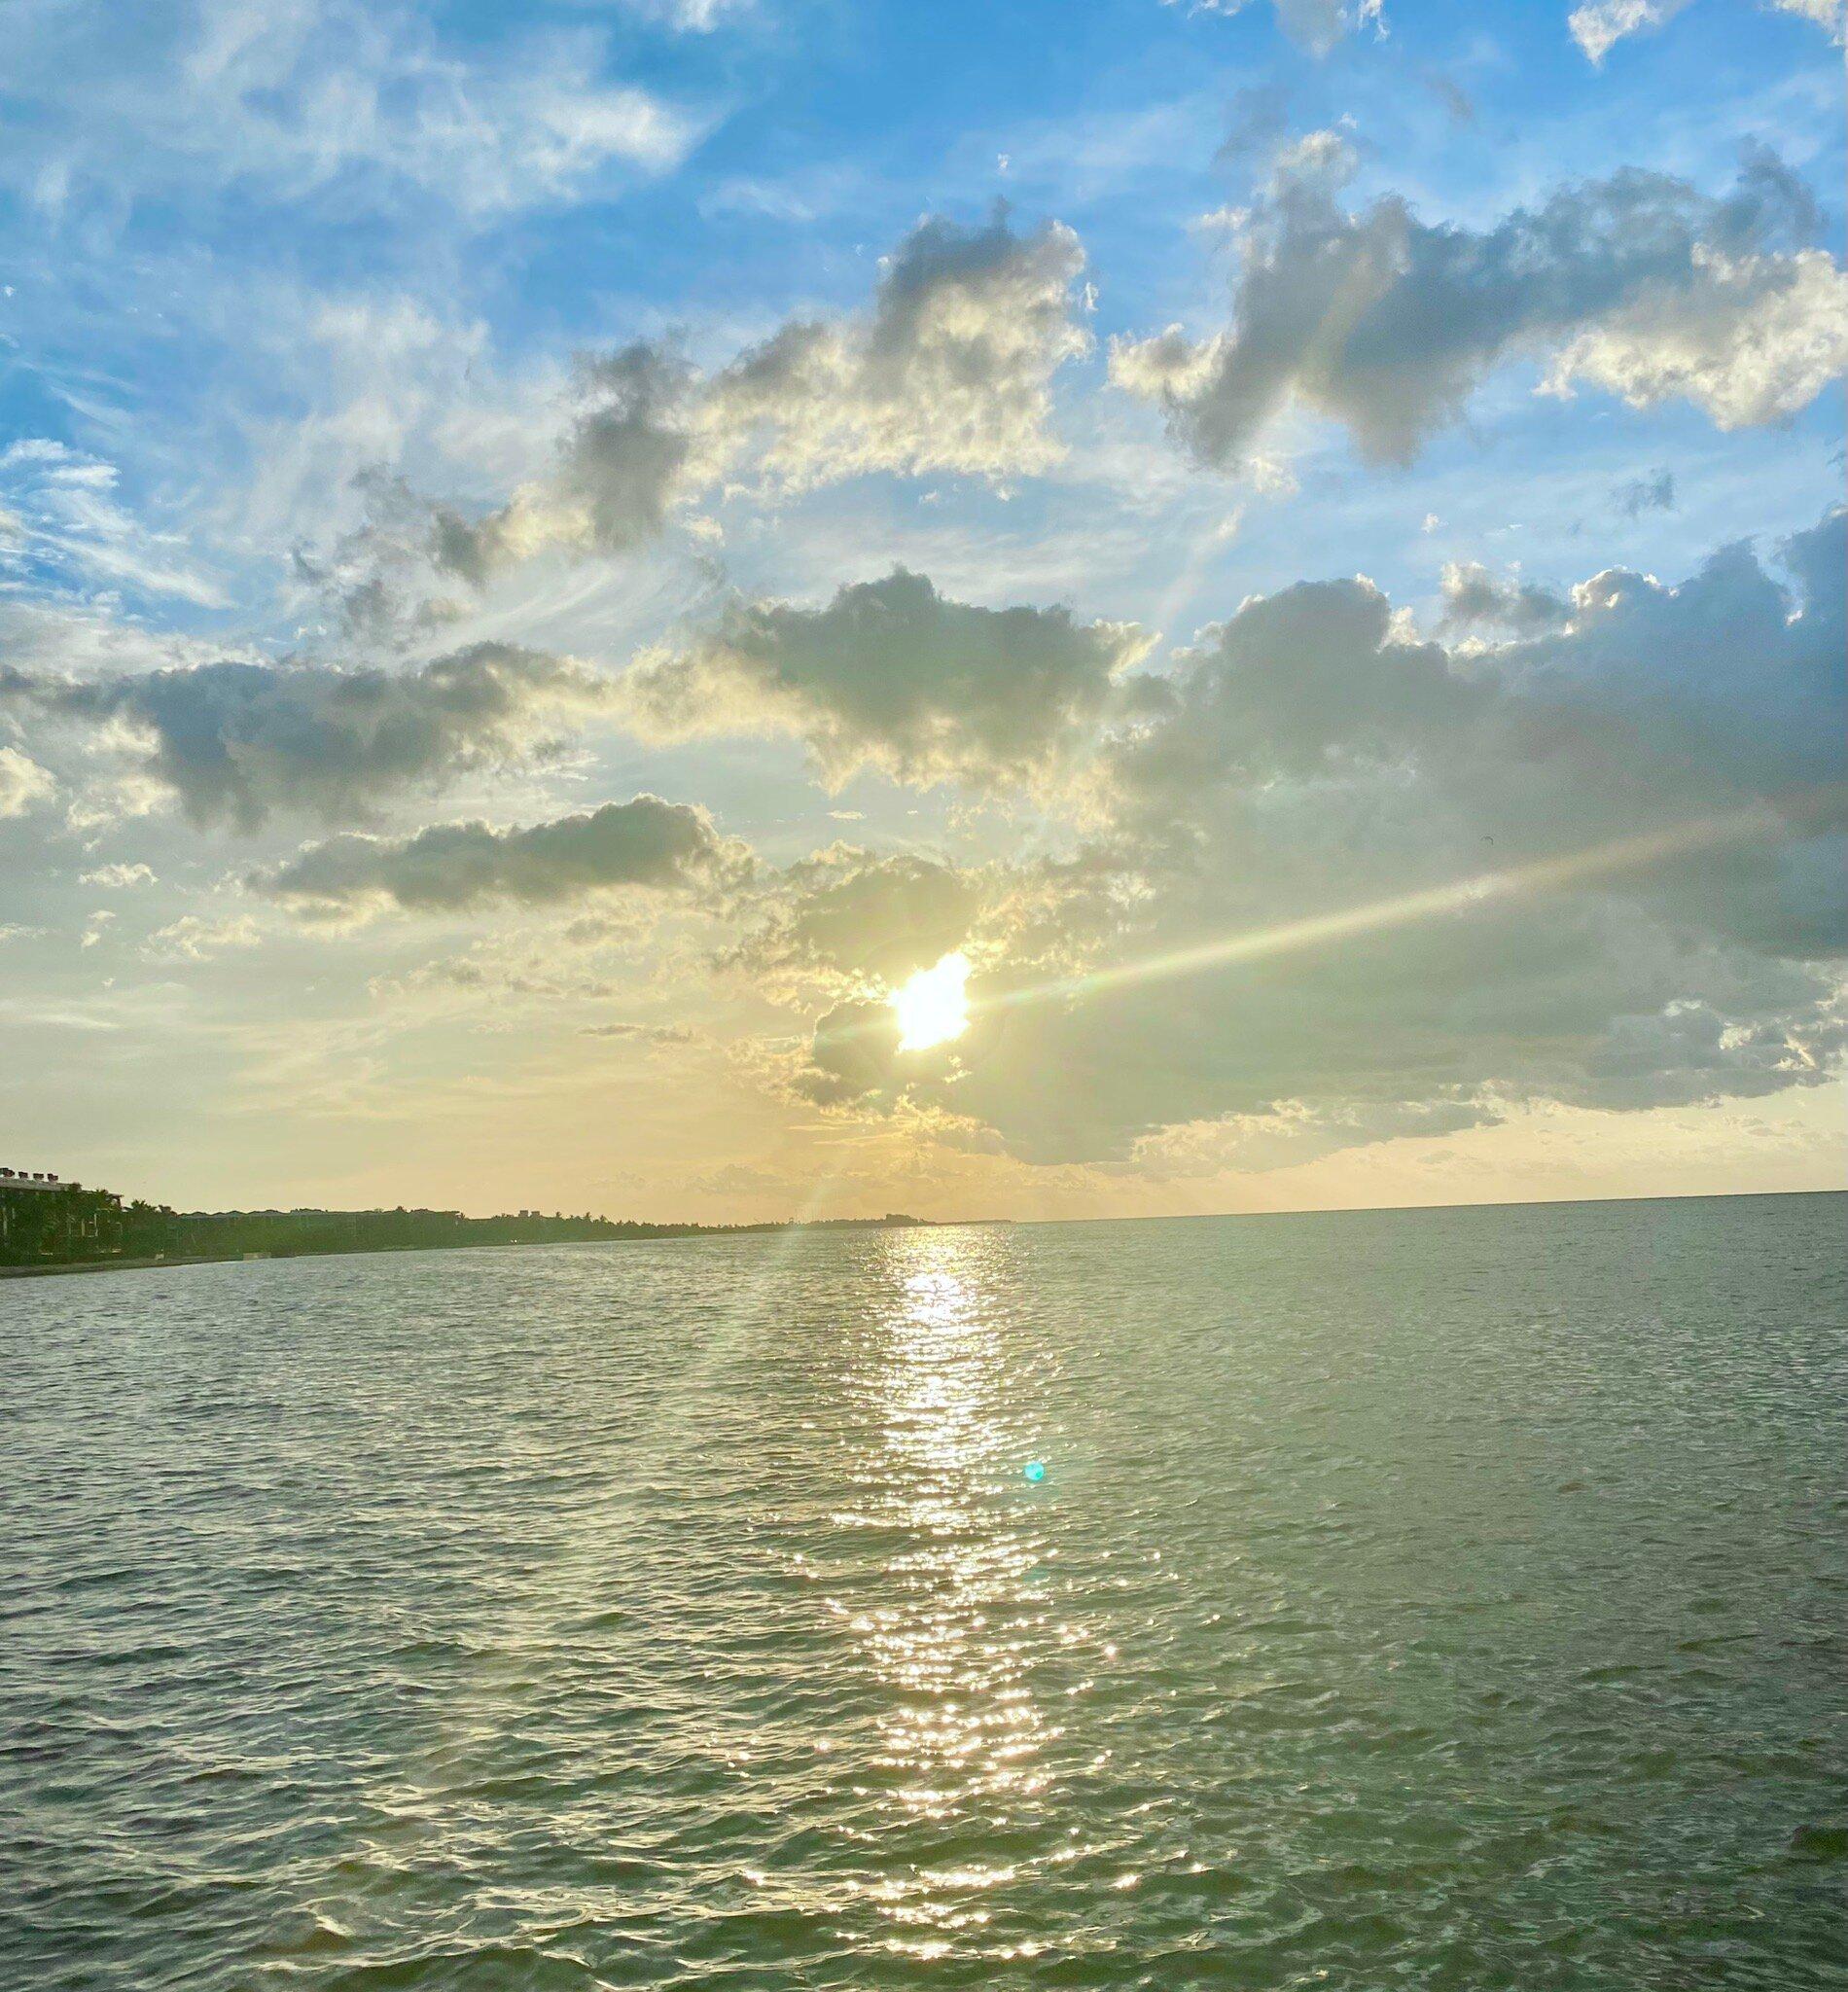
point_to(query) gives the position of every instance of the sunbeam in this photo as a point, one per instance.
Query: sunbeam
(1634, 853)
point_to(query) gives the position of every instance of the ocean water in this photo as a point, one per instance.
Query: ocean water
(1444, 1599)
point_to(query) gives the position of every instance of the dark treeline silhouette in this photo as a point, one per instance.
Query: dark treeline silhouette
(44, 1221)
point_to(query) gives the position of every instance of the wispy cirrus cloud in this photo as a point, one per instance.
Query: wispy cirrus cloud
(305, 97)
(61, 515)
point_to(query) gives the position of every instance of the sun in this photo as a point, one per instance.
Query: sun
(933, 1007)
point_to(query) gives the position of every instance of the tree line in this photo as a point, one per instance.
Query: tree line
(68, 1225)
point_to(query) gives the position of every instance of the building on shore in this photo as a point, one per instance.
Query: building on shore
(43, 1215)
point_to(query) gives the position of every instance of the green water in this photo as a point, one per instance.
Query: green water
(1445, 1599)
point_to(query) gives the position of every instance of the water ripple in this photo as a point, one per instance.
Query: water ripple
(1449, 1599)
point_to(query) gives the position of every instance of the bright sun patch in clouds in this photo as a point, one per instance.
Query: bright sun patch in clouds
(933, 1007)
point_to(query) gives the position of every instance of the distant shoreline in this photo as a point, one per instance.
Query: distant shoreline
(48, 1224)
(52, 1269)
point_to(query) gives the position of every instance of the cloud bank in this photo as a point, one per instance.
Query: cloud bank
(236, 742)
(1314, 754)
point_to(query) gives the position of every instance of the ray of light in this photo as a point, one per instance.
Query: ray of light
(1544, 874)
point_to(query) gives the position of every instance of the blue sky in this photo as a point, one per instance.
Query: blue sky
(284, 285)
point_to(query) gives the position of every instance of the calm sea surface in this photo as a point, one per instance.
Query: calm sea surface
(1447, 1599)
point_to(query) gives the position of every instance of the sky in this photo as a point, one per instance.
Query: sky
(552, 557)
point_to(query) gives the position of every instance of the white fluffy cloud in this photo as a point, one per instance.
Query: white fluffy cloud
(1640, 284)
(1753, 339)
(24, 783)
(118, 878)
(950, 372)
(1600, 24)
(195, 938)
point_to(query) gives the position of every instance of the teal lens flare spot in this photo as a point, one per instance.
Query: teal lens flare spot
(1035, 1471)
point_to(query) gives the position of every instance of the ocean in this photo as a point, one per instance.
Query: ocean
(1431, 1599)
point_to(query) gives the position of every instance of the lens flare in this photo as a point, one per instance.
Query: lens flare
(933, 1007)
(1459, 896)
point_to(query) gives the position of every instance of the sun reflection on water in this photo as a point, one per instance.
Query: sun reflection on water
(959, 1617)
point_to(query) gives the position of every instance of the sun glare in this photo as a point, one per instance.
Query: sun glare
(933, 1007)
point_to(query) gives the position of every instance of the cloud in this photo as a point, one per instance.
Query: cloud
(24, 783)
(1624, 704)
(1599, 25)
(1291, 1132)
(1830, 15)
(645, 843)
(621, 467)
(1315, 754)
(1750, 339)
(115, 877)
(236, 742)
(1598, 28)
(891, 675)
(493, 970)
(1316, 24)
(192, 937)
(1653, 493)
(305, 97)
(640, 1032)
(62, 517)
(847, 921)
(1474, 599)
(951, 373)
(686, 16)
(1639, 284)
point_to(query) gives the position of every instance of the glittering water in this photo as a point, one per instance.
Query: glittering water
(1443, 1600)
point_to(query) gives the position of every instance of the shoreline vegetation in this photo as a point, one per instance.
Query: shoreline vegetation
(52, 1227)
